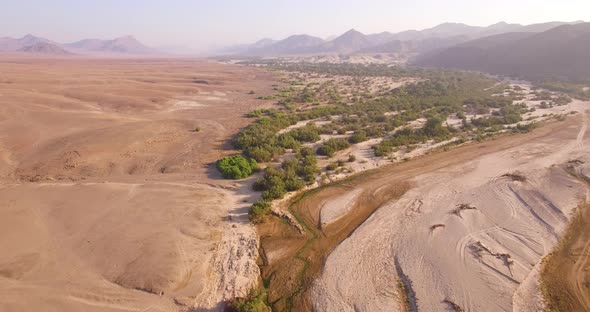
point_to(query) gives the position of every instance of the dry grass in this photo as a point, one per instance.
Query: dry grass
(436, 226)
(460, 208)
(565, 282)
(404, 296)
(515, 176)
(453, 305)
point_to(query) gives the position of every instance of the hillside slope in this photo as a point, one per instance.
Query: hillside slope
(559, 53)
(121, 45)
(44, 48)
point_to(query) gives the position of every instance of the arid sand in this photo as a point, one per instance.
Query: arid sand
(481, 258)
(108, 198)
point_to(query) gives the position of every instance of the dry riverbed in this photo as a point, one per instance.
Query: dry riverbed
(461, 228)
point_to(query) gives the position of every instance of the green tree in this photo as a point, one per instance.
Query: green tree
(236, 167)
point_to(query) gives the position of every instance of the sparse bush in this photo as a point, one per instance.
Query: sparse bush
(515, 176)
(259, 210)
(255, 302)
(331, 166)
(358, 137)
(332, 146)
(436, 226)
(293, 174)
(525, 128)
(457, 211)
(308, 133)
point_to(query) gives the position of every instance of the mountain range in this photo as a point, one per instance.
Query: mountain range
(554, 50)
(411, 42)
(31, 44)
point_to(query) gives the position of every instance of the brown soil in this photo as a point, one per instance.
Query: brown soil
(289, 277)
(565, 277)
(108, 200)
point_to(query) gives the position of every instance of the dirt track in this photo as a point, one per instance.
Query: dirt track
(108, 196)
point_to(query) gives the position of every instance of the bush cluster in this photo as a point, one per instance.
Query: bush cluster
(236, 167)
(255, 302)
(432, 130)
(332, 146)
(292, 175)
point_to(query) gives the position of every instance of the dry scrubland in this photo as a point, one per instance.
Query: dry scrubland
(500, 205)
(458, 230)
(108, 199)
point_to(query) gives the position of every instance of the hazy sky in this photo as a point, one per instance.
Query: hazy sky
(202, 24)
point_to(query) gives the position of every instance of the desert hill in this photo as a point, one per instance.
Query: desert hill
(127, 45)
(8, 44)
(45, 48)
(122, 45)
(558, 53)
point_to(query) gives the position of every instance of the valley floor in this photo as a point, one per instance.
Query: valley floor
(463, 229)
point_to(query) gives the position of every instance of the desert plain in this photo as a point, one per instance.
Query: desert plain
(109, 198)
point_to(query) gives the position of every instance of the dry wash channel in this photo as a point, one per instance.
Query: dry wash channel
(468, 234)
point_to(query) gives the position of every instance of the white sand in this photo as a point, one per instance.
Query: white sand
(522, 219)
(336, 209)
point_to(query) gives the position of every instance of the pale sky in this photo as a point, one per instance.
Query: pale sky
(204, 24)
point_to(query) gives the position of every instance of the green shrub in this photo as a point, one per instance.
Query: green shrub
(255, 302)
(332, 146)
(236, 167)
(332, 166)
(308, 133)
(259, 210)
(434, 128)
(358, 137)
(277, 191)
(326, 150)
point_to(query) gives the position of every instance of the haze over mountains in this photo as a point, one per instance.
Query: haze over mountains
(559, 53)
(410, 41)
(553, 50)
(126, 45)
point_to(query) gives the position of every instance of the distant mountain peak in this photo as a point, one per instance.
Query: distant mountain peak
(126, 38)
(408, 42)
(44, 48)
(502, 23)
(127, 44)
(352, 31)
